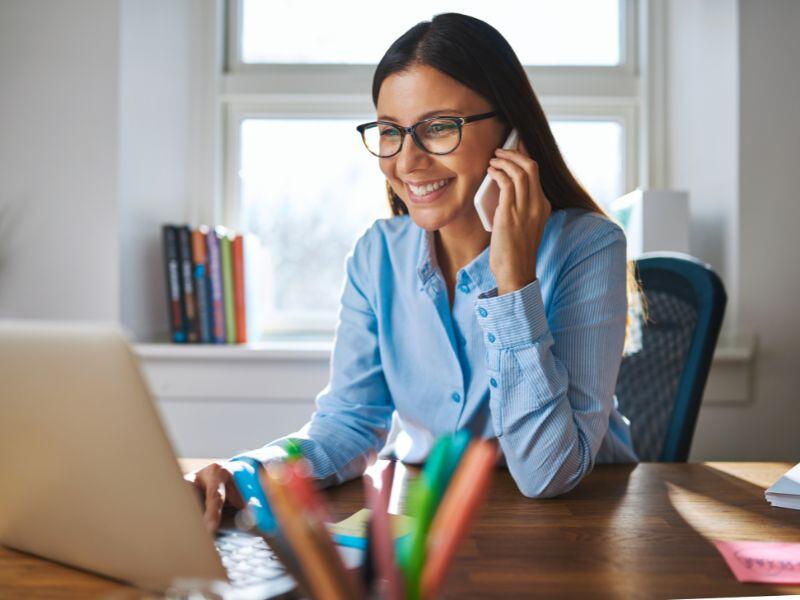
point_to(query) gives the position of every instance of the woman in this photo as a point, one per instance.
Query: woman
(515, 334)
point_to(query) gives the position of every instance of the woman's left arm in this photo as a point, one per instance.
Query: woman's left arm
(552, 376)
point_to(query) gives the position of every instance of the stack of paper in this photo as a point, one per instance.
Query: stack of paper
(785, 493)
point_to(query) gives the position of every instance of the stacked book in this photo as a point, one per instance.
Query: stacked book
(206, 284)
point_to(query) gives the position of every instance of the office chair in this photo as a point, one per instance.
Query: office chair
(663, 375)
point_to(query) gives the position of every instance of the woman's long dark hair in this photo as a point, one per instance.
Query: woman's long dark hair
(476, 55)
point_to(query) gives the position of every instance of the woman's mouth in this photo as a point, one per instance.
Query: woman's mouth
(425, 194)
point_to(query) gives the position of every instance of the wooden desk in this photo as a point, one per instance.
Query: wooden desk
(638, 531)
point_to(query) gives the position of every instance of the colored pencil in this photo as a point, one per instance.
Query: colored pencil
(304, 541)
(456, 511)
(381, 543)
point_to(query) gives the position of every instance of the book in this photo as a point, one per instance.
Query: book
(177, 326)
(239, 297)
(202, 287)
(187, 284)
(226, 260)
(215, 276)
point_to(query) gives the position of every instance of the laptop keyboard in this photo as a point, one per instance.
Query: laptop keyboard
(247, 558)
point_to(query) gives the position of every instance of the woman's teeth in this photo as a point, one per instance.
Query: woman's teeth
(427, 189)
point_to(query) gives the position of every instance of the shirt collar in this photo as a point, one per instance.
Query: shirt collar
(477, 272)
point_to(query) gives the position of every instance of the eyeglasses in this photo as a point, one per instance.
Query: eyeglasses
(436, 135)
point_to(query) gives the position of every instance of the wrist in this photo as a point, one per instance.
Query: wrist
(513, 286)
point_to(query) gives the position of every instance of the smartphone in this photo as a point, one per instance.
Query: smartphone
(488, 195)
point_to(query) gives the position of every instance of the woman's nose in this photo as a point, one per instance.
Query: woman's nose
(411, 156)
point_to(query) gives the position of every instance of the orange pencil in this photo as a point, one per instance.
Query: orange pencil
(462, 499)
(294, 524)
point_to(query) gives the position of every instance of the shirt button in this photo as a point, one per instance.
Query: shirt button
(491, 338)
(456, 397)
(483, 312)
(493, 382)
(464, 288)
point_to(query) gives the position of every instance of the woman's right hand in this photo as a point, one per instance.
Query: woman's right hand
(214, 483)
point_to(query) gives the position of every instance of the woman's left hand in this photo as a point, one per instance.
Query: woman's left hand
(519, 220)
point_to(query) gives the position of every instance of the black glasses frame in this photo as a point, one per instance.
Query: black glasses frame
(412, 131)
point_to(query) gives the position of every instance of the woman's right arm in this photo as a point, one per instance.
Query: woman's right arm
(354, 412)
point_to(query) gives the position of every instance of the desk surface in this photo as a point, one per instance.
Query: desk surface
(638, 531)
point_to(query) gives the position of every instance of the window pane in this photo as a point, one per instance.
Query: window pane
(594, 153)
(542, 32)
(308, 190)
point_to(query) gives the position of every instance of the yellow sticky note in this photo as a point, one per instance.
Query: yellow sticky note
(355, 526)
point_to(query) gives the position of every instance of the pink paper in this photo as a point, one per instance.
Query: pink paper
(762, 562)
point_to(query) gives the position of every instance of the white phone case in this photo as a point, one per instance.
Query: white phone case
(488, 195)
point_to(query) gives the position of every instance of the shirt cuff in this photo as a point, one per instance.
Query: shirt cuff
(263, 455)
(513, 319)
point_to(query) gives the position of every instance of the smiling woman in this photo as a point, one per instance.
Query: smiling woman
(514, 334)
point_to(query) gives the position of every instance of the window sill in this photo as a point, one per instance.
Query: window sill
(282, 350)
(299, 369)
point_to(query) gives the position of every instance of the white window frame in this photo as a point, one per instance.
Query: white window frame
(621, 93)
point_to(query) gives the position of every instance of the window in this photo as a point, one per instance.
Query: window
(294, 89)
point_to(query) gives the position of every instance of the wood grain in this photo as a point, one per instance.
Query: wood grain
(627, 531)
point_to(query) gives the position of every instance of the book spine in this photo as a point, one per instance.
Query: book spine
(227, 287)
(215, 276)
(177, 328)
(237, 248)
(201, 288)
(187, 280)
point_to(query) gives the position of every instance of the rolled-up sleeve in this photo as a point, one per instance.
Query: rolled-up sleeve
(552, 374)
(353, 413)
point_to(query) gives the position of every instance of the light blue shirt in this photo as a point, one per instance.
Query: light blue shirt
(534, 368)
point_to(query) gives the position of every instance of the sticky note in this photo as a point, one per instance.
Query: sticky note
(352, 531)
(762, 562)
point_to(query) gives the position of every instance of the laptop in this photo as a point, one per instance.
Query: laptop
(90, 478)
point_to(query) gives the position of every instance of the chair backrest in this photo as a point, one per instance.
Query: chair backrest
(661, 382)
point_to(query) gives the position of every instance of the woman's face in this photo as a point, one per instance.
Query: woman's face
(406, 98)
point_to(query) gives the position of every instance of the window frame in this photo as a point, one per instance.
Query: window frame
(609, 93)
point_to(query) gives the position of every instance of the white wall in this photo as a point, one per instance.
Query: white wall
(733, 141)
(702, 131)
(769, 218)
(164, 117)
(58, 159)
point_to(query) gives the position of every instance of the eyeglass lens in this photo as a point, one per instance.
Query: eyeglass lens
(439, 136)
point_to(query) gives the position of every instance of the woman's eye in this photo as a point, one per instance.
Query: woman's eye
(441, 128)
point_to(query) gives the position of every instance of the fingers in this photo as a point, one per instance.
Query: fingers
(232, 494)
(506, 186)
(530, 167)
(518, 176)
(213, 481)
